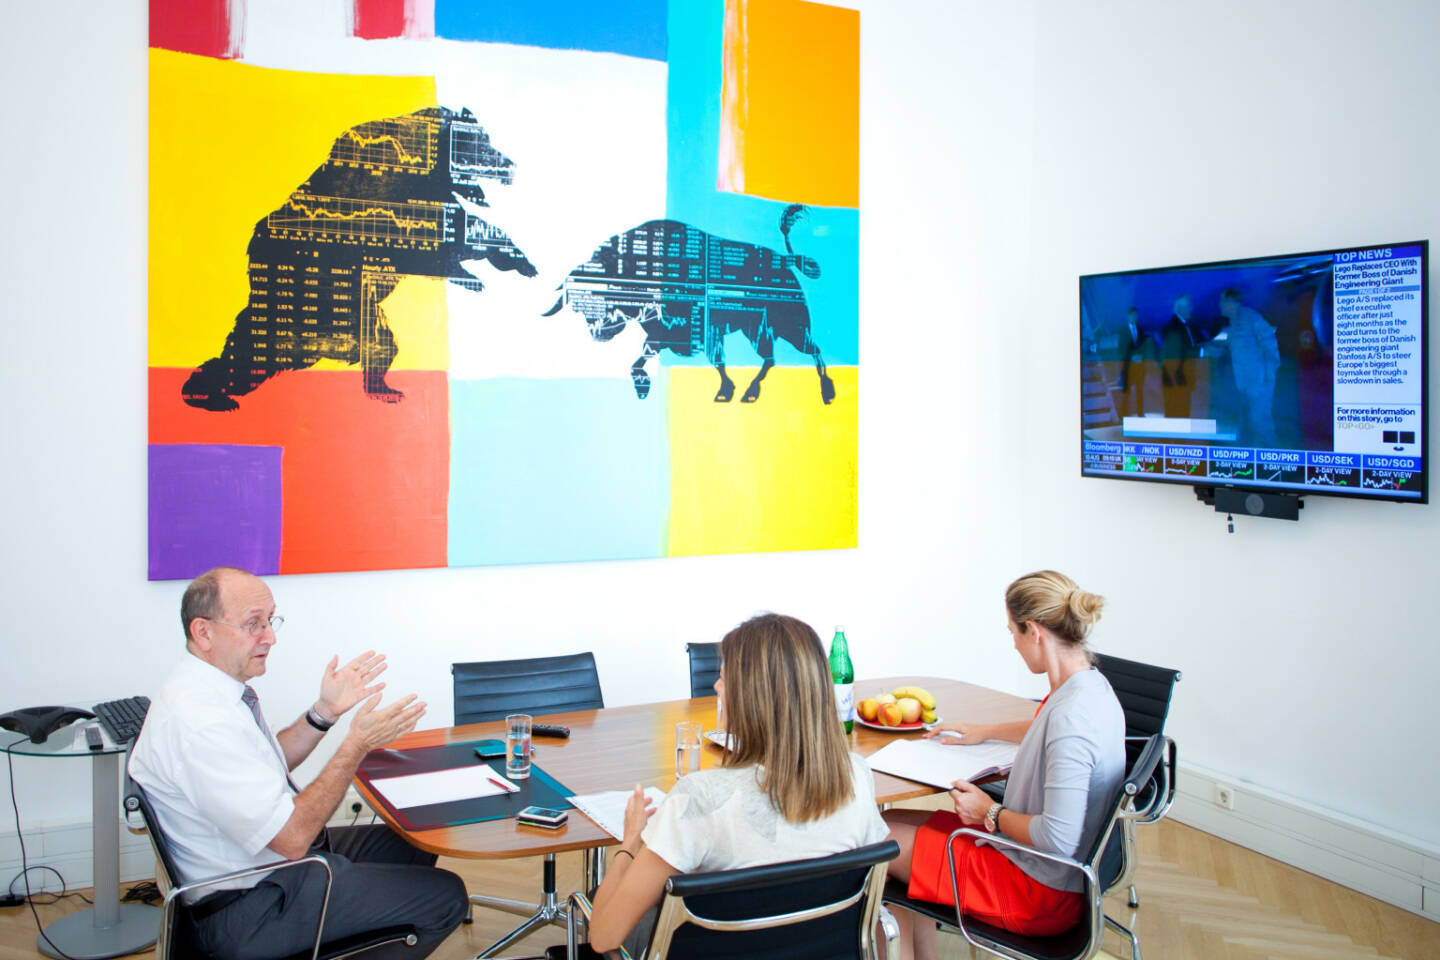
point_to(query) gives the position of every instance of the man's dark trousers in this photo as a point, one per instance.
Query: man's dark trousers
(379, 881)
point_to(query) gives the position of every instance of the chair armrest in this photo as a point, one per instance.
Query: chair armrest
(1164, 780)
(580, 910)
(135, 826)
(889, 929)
(174, 893)
(1000, 840)
(254, 871)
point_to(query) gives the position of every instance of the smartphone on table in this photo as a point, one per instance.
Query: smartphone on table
(543, 816)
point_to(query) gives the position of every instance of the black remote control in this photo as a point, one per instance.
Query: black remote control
(550, 730)
(92, 738)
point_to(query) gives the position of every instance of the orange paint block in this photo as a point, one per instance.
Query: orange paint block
(790, 102)
(365, 484)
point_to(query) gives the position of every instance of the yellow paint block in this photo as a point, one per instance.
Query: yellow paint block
(229, 142)
(790, 102)
(776, 474)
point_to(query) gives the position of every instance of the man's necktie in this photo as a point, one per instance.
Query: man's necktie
(252, 700)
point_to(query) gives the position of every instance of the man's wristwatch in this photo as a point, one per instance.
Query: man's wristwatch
(318, 720)
(992, 817)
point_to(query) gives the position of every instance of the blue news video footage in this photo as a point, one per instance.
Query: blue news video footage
(1295, 372)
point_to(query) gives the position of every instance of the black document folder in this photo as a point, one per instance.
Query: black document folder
(540, 789)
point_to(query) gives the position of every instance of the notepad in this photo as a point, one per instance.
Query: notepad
(721, 739)
(607, 808)
(440, 786)
(941, 764)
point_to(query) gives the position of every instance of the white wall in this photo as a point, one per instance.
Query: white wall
(945, 207)
(1004, 151)
(1178, 133)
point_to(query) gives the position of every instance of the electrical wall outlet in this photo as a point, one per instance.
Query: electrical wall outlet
(352, 809)
(1224, 796)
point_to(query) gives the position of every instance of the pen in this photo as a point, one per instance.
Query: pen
(508, 787)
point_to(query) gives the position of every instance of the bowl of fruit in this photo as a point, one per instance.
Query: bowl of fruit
(900, 710)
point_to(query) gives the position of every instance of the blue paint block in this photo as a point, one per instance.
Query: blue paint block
(635, 28)
(555, 470)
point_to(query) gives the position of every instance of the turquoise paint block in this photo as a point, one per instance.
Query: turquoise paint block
(555, 470)
(830, 235)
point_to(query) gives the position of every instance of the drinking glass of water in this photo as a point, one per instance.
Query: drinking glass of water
(517, 746)
(687, 747)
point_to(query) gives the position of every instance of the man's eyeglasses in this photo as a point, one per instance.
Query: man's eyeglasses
(256, 625)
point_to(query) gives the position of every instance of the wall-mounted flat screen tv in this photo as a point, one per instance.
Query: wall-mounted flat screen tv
(1300, 374)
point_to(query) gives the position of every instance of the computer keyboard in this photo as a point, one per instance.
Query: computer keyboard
(122, 718)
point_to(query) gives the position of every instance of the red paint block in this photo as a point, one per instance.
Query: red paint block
(379, 19)
(204, 27)
(365, 486)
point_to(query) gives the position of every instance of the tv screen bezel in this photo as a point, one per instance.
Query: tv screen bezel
(1324, 491)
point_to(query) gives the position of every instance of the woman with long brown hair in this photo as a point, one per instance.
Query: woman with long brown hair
(788, 790)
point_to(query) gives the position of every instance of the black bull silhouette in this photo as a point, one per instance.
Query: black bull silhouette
(688, 290)
(388, 202)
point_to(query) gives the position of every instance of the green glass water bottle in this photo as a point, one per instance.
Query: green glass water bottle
(842, 674)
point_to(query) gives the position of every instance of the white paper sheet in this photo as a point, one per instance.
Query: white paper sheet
(440, 786)
(941, 764)
(725, 741)
(607, 809)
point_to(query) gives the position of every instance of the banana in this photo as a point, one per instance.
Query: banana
(919, 693)
(929, 716)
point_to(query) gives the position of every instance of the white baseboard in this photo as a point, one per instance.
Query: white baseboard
(1387, 866)
(66, 846)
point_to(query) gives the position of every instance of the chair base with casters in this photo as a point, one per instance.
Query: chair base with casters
(174, 940)
(1100, 870)
(550, 910)
(818, 909)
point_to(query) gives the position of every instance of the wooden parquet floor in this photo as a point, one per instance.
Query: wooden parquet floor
(1201, 898)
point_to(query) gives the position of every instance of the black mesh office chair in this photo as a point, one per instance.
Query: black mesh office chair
(704, 668)
(1144, 692)
(1098, 871)
(826, 908)
(176, 940)
(494, 689)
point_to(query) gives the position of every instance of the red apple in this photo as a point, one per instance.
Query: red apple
(909, 709)
(867, 708)
(889, 715)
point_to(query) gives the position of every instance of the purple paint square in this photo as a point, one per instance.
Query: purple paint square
(214, 505)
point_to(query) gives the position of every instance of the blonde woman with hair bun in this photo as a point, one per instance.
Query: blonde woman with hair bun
(1071, 759)
(790, 789)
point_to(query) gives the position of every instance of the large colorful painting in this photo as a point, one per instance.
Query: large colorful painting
(437, 282)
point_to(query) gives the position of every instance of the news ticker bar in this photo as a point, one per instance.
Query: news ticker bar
(1362, 472)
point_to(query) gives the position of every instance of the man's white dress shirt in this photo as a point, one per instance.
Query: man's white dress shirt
(217, 783)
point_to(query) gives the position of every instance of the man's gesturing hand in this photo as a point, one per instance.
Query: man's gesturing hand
(343, 687)
(373, 727)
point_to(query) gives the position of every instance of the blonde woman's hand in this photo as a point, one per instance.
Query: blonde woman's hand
(971, 803)
(960, 732)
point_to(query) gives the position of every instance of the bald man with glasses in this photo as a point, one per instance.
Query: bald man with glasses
(219, 781)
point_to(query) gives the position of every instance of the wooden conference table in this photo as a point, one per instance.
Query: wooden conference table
(616, 748)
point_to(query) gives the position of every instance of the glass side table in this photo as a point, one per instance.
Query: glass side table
(108, 929)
